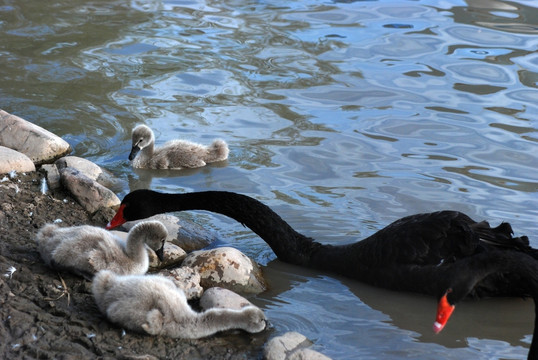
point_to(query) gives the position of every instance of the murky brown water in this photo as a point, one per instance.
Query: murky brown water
(342, 116)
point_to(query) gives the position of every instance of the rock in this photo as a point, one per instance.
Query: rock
(14, 160)
(90, 169)
(307, 354)
(40, 145)
(217, 297)
(228, 268)
(291, 346)
(103, 215)
(182, 232)
(191, 236)
(173, 255)
(186, 279)
(53, 176)
(90, 194)
(86, 167)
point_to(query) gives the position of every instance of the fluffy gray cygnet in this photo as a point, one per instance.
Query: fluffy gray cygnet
(87, 249)
(175, 154)
(153, 304)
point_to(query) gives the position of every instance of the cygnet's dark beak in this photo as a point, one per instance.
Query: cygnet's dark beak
(160, 253)
(133, 153)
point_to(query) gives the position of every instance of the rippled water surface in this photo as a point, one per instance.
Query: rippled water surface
(341, 115)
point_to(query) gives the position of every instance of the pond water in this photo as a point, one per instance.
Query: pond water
(343, 116)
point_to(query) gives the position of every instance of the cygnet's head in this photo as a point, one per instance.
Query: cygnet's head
(153, 233)
(142, 137)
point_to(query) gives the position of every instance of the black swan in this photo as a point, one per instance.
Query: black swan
(445, 254)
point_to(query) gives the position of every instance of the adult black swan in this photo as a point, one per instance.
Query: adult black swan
(445, 254)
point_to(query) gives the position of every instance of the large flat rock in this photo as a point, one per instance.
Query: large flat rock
(40, 145)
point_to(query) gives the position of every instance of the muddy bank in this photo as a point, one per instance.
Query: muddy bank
(45, 314)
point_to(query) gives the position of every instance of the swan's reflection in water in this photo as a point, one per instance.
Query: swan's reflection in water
(395, 324)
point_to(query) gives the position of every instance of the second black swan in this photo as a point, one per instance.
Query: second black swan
(445, 254)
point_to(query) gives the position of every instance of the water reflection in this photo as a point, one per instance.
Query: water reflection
(374, 312)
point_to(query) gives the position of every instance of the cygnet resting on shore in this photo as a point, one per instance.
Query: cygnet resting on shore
(153, 304)
(87, 249)
(175, 154)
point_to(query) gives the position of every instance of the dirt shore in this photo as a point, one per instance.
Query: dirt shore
(47, 314)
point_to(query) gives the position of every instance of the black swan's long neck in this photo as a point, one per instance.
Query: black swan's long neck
(289, 245)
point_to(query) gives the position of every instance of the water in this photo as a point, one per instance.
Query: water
(342, 116)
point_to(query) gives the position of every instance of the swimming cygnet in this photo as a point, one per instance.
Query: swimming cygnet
(153, 304)
(87, 249)
(175, 154)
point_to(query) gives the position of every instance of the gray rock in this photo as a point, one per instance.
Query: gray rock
(307, 354)
(53, 176)
(217, 297)
(173, 255)
(182, 232)
(90, 169)
(291, 346)
(186, 279)
(86, 167)
(191, 236)
(228, 268)
(14, 160)
(40, 145)
(90, 194)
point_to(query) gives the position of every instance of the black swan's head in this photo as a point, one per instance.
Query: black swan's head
(444, 311)
(136, 205)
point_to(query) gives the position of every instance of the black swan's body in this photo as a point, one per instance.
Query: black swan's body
(445, 254)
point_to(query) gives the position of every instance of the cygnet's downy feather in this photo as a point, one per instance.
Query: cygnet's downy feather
(154, 305)
(175, 154)
(87, 249)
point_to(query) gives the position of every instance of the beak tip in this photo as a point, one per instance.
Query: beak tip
(160, 254)
(437, 327)
(134, 152)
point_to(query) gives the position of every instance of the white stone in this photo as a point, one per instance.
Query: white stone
(86, 167)
(217, 297)
(228, 268)
(186, 279)
(291, 346)
(14, 160)
(38, 144)
(90, 195)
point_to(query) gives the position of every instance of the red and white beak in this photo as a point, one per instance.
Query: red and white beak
(117, 220)
(444, 310)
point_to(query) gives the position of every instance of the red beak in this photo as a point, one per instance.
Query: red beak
(444, 310)
(118, 219)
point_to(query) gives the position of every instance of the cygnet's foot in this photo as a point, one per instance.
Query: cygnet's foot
(256, 320)
(154, 323)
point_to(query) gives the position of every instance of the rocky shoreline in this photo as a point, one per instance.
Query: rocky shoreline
(47, 314)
